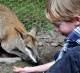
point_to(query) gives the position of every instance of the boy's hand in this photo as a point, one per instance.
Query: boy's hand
(18, 69)
(22, 70)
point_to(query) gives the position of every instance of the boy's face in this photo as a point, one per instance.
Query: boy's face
(65, 27)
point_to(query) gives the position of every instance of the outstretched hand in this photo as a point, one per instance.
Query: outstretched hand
(22, 70)
(18, 69)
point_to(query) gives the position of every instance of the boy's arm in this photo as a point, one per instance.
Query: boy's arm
(40, 68)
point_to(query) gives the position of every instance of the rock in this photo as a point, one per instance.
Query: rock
(48, 44)
(9, 60)
(40, 43)
(54, 44)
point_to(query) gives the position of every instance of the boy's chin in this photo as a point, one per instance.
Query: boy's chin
(64, 34)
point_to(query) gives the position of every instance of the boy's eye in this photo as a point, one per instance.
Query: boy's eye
(68, 19)
(57, 24)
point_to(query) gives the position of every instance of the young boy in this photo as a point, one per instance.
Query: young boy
(65, 15)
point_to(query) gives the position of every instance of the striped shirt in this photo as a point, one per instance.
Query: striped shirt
(74, 36)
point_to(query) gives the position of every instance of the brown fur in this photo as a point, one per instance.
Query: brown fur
(13, 32)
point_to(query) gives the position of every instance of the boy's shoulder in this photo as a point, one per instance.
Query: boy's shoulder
(74, 49)
(71, 50)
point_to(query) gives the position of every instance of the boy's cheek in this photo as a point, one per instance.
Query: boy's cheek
(65, 30)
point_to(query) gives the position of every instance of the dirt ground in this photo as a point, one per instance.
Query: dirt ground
(7, 68)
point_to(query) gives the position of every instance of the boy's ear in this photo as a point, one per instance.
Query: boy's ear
(77, 19)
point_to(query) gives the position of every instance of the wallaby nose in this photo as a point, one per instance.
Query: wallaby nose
(29, 61)
(33, 59)
(39, 62)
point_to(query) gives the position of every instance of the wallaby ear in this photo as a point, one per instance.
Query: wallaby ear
(30, 38)
(32, 34)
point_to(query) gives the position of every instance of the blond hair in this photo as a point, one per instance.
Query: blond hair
(57, 9)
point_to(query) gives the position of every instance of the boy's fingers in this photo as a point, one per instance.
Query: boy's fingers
(18, 69)
(21, 72)
(14, 67)
(15, 70)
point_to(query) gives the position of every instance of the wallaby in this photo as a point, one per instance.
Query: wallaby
(14, 38)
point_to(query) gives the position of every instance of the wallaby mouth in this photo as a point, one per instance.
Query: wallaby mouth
(30, 54)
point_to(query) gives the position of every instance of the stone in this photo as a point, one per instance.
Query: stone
(9, 60)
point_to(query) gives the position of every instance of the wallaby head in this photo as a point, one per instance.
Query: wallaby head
(23, 45)
(31, 44)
